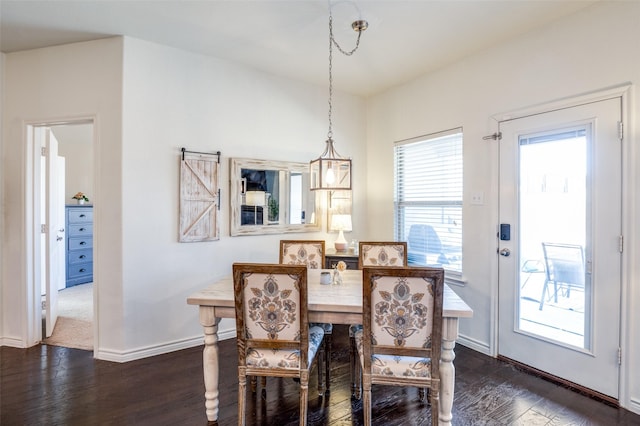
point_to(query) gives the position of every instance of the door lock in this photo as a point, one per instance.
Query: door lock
(505, 252)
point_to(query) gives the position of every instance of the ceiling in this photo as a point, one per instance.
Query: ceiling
(405, 39)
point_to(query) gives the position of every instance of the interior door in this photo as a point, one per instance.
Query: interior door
(560, 186)
(54, 210)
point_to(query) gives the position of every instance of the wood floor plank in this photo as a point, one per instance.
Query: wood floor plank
(49, 385)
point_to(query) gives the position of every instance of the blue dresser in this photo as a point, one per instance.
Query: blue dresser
(79, 225)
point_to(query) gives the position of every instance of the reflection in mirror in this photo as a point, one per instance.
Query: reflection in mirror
(271, 197)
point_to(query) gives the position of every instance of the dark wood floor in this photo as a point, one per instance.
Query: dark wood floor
(48, 385)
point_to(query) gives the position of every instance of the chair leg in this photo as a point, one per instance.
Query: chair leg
(354, 365)
(253, 383)
(242, 391)
(304, 394)
(327, 365)
(544, 293)
(366, 403)
(321, 362)
(421, 394)
(434, 400)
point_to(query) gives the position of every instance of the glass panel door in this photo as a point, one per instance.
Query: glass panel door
(560, 266)
(553, 217)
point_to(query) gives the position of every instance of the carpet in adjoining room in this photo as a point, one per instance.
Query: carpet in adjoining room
(74, 328)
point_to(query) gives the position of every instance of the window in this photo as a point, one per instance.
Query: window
(428, 199)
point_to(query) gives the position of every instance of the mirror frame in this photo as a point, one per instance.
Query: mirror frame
(235, 195)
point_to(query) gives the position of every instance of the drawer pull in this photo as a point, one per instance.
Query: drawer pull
(82, 229)
(82, 243)
(82, 256)
(82, 270)
(83, 215)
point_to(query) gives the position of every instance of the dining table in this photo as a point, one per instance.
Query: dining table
(337, 304)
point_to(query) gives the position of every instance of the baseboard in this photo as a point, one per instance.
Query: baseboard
(614, 402)
(12, 342)
(634, 406)
(476, 345)
(145, 352)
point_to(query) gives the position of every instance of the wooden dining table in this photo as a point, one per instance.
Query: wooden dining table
(337, 304)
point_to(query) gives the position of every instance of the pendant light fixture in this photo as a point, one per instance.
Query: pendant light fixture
(331, 171)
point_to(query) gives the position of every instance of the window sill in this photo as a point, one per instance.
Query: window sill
(454, 278)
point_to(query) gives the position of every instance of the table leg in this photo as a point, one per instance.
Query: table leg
(209, 321)
(447, 370)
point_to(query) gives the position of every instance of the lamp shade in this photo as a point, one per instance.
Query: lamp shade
(255, 198)
(341, 222)
(330, 171)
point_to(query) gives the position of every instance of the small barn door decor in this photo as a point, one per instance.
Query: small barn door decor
(199, 196)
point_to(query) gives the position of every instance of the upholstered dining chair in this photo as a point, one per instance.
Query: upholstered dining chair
(382, 253)
(302, 252)
(310, 253)
(273, 333)
(373, 253)
(401, 337)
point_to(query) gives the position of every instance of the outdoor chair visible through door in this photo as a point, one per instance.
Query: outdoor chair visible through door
(564, 268)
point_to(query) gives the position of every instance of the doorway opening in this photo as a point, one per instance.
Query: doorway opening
(63, 167)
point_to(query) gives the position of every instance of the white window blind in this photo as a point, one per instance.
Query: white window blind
(428, 199)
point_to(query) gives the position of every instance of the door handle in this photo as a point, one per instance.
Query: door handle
(505, 252)
(59, 238)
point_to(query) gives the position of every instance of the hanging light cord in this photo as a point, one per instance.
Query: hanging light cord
(358, 26)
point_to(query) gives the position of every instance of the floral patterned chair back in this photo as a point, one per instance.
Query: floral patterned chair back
(402, 331)
(274, 337)
(382, 253)
(302, 252)
(311, 254)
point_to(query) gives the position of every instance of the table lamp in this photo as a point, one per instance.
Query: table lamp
(255, 199)
(341, 223)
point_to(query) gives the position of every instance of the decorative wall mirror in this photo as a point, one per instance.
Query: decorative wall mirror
(271, 197)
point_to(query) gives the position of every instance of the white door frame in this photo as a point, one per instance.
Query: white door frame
(629, 189)
(32, 325)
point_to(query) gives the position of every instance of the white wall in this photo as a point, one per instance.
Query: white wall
(592, 50)
(75, 144)
(82, 80)
(175, 99)
(148, 102)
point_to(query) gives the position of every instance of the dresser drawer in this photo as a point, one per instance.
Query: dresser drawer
(78, 256)
(79, 253)
(78, 230)
(80, 243)
(80, 215)
(80, 269)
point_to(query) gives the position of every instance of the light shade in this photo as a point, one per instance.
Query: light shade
(330, 171)
(255, 198)
(341, 222)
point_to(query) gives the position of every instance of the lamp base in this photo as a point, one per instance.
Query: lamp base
(340, 243)
(340, 246)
